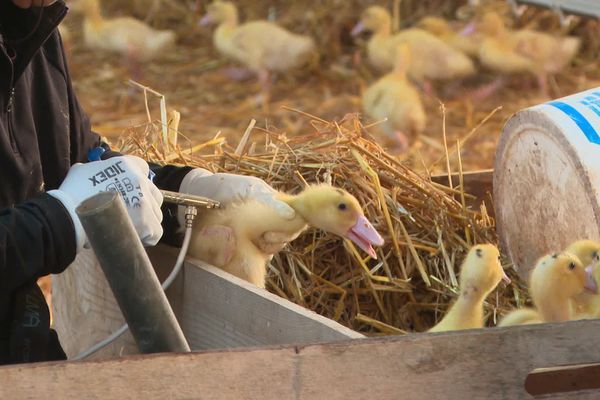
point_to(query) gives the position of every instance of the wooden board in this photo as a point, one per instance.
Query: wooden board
(477, 183)
(490, 363)
(215, 309)
(218, 310)
(589, 8)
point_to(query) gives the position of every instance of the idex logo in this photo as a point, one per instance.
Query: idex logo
(107, 173)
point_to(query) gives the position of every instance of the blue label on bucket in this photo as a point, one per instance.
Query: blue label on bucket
(591, 102)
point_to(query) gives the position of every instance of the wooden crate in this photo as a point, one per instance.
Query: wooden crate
(218, 311)
(492, 363)
(215, 310)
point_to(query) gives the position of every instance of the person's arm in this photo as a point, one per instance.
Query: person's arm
(37, 237)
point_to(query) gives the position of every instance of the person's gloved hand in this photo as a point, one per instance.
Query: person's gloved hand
(127, 175)
(227, 188)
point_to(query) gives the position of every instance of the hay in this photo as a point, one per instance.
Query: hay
(427, 227)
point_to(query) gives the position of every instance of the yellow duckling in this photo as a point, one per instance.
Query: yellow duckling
(587, 251)
(468, 44)
(235, 239)
(554, 281)
(432, 59)
(262, 46)
(508, 52)
(124, 35)
(393, 97)
(481, 272)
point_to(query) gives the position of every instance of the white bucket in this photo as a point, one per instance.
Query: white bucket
(547, 178)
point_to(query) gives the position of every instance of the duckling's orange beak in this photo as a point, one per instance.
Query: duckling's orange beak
(364, 235)
(358, 28)
(590, 282)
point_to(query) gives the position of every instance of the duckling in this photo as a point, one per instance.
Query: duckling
(468, 44)
(431, 58)
(393, 97)
(481, 272)
(554, 281)
(508, 52)
(239, 239)
(124, 35)
(587, 251)
(262, 46)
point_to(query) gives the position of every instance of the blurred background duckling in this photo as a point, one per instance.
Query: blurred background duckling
(587, 251)
(554, 281)
(438, 26)
(432, 59)
(127, 36)
(481, 272)
(261, 46)
(523, 51)
(396, 100)
(243, 237)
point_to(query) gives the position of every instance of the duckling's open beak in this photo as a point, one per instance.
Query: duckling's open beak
(358, 28)
(206, 19)
(364, 235)
(590, 282)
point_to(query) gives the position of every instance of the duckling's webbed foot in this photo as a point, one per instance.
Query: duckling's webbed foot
(239, 74)
(220, 243)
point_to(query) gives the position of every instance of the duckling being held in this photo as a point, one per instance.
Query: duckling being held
(432, 59)
(262, 46)
(394, 98)
(481, 272)
(127, 36)
(554, 281)
(241, 238)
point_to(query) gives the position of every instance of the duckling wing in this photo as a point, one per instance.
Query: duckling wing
(262, 44)
(499, 57)
(431, 58)
(522, 316)
(549, 53)
(398, 101)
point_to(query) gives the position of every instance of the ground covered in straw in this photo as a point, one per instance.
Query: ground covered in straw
(313, 132)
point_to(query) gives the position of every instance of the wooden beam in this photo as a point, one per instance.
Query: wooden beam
(490, 363)
(581, 7)
(477, 183)
(216, 310)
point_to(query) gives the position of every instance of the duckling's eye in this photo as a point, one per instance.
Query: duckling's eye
(478, 252)
(571, 266)
(555, 255)
(595, 255)
(342, 206)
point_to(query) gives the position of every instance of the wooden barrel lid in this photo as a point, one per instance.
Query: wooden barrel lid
(546, 189)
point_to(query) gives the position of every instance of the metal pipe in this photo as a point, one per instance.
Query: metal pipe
(130, 274)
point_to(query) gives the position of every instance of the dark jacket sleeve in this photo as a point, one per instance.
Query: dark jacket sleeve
(37, 238)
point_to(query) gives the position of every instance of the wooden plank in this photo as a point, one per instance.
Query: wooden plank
(215, 309)
(490, 363)
(220, 311)
(563, 379)
(477, 183)
(589, 8)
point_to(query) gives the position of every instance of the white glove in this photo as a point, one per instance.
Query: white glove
(125, 174)
(226, 188)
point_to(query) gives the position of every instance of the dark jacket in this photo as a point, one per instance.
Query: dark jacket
(43, 131)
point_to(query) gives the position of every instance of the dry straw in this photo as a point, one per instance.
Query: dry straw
(427, 226)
